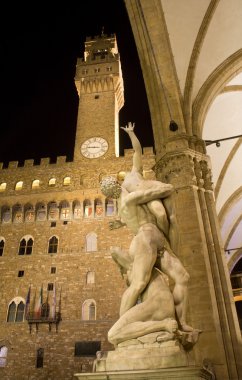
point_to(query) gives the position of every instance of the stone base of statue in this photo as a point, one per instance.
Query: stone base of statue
(153, 356)
(135, 354)
(180, 373)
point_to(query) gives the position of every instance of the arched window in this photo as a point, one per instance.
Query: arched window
(35, 184)
(52, 182)
(65, 210)
(17, 213)
(41, 211)
(16, 310)
(89, 310)
(90, 279)
(3, 186)
(19, 185)
(6, 214)
(11, 312)
(67, 181)
(53, 211)
(29, 213)
(3, 356)
(53, 245)
(26, 246)
(109, 207)
(20, 312)
(98, 206)
(91, 242)
(2, 243)
(87, 204)
(77, 210)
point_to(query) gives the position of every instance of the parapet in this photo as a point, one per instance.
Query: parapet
(44, 162)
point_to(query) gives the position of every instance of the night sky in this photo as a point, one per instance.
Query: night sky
(39, 49)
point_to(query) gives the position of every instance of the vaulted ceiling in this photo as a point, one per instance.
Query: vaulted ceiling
(204, 48)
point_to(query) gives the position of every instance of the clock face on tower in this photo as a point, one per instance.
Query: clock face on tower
(94, 147)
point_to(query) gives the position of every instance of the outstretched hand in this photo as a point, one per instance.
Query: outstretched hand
(128, 128)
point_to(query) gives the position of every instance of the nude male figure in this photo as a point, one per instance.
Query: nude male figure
(155, 313)
(140, 210)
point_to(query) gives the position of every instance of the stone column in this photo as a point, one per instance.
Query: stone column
(211, 306)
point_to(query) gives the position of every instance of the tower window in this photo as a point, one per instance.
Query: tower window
(50, 286)
(52, 182)
(97, 70)
(84, 71)
(53, 224)
(35, 184)
(19, 185)
(53, 270)
(67, 181)
(109, 68)
(96, 96)
(53, 245)
(20, 273)
(3, 186)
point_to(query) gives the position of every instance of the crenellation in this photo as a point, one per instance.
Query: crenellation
(61, 160)
(13, 164)
(45, 161)
(28, 163)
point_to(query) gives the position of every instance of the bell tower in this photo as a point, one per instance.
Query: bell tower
(99, 84)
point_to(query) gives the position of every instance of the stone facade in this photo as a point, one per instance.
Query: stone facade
(64, 200)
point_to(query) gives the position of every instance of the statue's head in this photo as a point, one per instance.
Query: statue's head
(110, 187)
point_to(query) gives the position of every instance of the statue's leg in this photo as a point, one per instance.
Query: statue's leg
(173, 267)
(138, 321)
(143, 251)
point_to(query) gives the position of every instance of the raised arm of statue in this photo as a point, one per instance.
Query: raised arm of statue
(137, 157)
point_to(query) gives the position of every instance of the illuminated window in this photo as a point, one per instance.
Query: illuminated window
(91, 242)
(53, 245)
(90, 277)
(3, 356)
(89, 310)
(3, 186)
(26, 246)
(52, 182)
(19, 185)
(67, 181)
(35, 184)
(16, 310)
(2, 244)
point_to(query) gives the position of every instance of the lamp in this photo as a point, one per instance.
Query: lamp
(217, 142)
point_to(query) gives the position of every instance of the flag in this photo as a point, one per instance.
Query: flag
(38, 304)
(53, 304)
(27, 303)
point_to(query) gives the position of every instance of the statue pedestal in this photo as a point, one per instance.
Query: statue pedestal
(180, 373)
(143, 360)
(142, 356)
